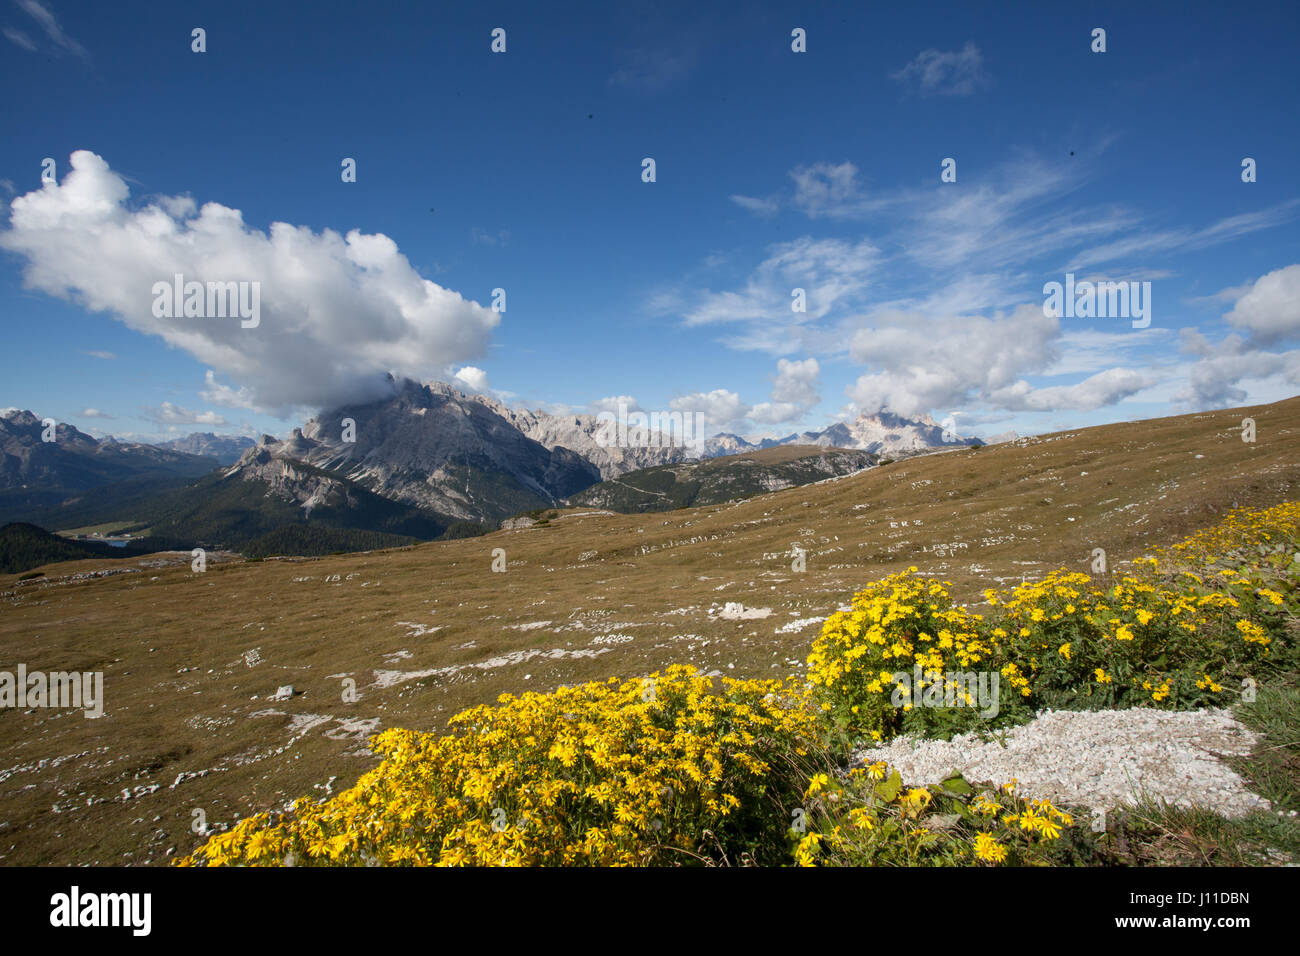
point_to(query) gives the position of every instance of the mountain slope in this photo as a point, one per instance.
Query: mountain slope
(719, 480)
(75, 461)
(430, 630)
(427, 446)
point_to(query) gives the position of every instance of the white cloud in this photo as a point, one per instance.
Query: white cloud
(169, 414)
(935, 73)
(50, 24)
(797, 382)
(758, 206)
(99, 354)
(215, 393)
(94, 413)
(337, 312)
(921, 363)
(612, 403)
(1270, 309)
(1096, 391)
(828, 270)
(473, 378)
(19, 38)
(830, 190)
(722, 409)
(1187, 238)
(821, 190)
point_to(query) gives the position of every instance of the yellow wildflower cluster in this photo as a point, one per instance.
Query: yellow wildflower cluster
(898, 624)
(632, 773)
(1068, 640)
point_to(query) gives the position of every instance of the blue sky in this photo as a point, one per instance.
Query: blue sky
(774, 170)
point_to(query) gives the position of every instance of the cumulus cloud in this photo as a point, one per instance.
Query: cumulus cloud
(473, 378)
(1268, 312)
(829, 190)
(1095, 391)
(215, 393)
(1270, 309)
(169, 414)
(794, 392)
(94, 413)
(925, 363)
(612, 403)
(935, 73)
(722, 409)
(337, 312)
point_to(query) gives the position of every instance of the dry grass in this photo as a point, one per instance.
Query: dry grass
(179, 690)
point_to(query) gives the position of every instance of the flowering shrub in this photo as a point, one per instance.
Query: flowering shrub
(899, 624)
(872, 819)
(1164, 635)
(1185, 629)
(661, 771)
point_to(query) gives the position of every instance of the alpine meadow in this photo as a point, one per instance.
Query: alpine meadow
(673, 436)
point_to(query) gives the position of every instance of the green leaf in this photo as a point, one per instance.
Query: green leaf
(956, 783)
(888, 790)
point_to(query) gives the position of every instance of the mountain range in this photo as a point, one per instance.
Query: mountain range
(426, 461)
(226, 449)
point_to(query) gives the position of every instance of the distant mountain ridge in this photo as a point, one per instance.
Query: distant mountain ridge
(723, 479)
(883, 434)
(426, 461)
(427, 446)
(76, 461)
(226, 449)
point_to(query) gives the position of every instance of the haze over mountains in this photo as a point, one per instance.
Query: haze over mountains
(226, 449)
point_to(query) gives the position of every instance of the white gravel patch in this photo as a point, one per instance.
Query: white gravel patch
(735, 611)
(1099, 759)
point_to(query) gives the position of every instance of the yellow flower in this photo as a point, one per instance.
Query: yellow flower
(988, 849)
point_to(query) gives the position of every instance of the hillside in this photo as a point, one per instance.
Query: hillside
(38, 478)
(719, 480)
(190, 660)
(25, 546)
